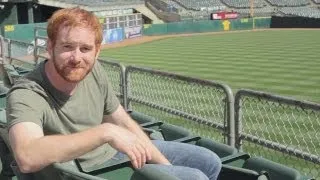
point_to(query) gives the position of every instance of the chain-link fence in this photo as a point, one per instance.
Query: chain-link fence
(115, 72)
(203, 107)
(280, 129)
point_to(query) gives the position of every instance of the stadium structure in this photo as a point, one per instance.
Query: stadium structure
(156, 11)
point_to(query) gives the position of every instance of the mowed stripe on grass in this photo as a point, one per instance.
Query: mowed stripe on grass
(281, 62)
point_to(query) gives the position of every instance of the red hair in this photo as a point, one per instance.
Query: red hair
(73, 17)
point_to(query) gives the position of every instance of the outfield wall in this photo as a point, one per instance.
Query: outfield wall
(25, 32)
(206, 26)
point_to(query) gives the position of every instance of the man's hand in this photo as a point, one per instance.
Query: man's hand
(137, 149)
(122, 120)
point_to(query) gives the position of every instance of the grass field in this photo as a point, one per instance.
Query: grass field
(281, 62)
(284, 62)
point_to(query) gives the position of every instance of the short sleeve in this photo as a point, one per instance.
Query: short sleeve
(111, 100)
(24, 105)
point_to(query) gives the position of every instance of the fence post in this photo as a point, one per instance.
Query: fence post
(2, 50)
(125, 90)
(123, 86)
(229, 117)
(237, 120)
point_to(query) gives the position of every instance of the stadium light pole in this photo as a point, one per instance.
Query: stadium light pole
(252, 13)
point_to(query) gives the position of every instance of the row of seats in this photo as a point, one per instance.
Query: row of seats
(316, 1)
(244, 3)
(236, 164)
(103, 2)
(266, 11)
(301, 11)
(196, 10)
(291, 3)
(198, 5)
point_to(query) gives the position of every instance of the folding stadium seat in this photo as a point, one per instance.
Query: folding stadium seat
(275, 170)
(13, 72)
(228, 155)
(259, 168)
(124, 172)
(3, 100)
(231, 172)
(142, 119)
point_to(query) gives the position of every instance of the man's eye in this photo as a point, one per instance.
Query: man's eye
(85, 49)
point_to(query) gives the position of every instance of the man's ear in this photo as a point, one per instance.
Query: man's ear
(98, 51)
(50, 48)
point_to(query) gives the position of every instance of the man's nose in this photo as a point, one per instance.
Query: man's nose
(75, 57)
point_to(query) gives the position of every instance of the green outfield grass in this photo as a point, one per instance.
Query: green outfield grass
(283, 62)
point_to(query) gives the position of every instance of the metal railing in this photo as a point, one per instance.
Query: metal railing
(203, 107)
(281, 129)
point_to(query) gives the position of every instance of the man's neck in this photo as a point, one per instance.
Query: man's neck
(57, 81)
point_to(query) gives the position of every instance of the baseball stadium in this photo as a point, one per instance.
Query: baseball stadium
(238, 77)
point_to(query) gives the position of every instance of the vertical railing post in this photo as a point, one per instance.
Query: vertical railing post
(125, 90)
(229, 117)
(237, 120)
(123, 86)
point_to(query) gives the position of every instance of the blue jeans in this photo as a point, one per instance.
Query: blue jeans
(189, 162)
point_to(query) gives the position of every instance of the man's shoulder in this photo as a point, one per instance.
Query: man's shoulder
(99, 73)
(31, 82)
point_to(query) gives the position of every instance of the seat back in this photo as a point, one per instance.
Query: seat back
(275, 170)
(222, 150)
(151, 173)
(231, 172)
(174, 133)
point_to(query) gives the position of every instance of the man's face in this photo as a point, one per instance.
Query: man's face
(74, 53)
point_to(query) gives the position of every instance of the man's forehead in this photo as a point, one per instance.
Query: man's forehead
(76, 35)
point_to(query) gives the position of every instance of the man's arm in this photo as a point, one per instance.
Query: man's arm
(122, 119)
(34, 151)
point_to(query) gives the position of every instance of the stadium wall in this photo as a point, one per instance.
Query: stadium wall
(206, 26)
(294, 22)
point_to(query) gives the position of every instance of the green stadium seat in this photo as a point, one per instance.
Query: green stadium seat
(122, 171)
(230, 172)
(222, 150)
(142, 119)
(167, 132)
(275, 170)
(3, 118)
(148, 173)
(228, 155)
(3, 100)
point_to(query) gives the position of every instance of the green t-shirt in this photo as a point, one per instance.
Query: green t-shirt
(34, 99)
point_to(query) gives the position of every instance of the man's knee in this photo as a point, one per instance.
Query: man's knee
(197, 174)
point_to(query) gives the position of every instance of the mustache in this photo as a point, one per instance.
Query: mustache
(74, 64)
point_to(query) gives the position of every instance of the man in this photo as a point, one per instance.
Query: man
(65, 109)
